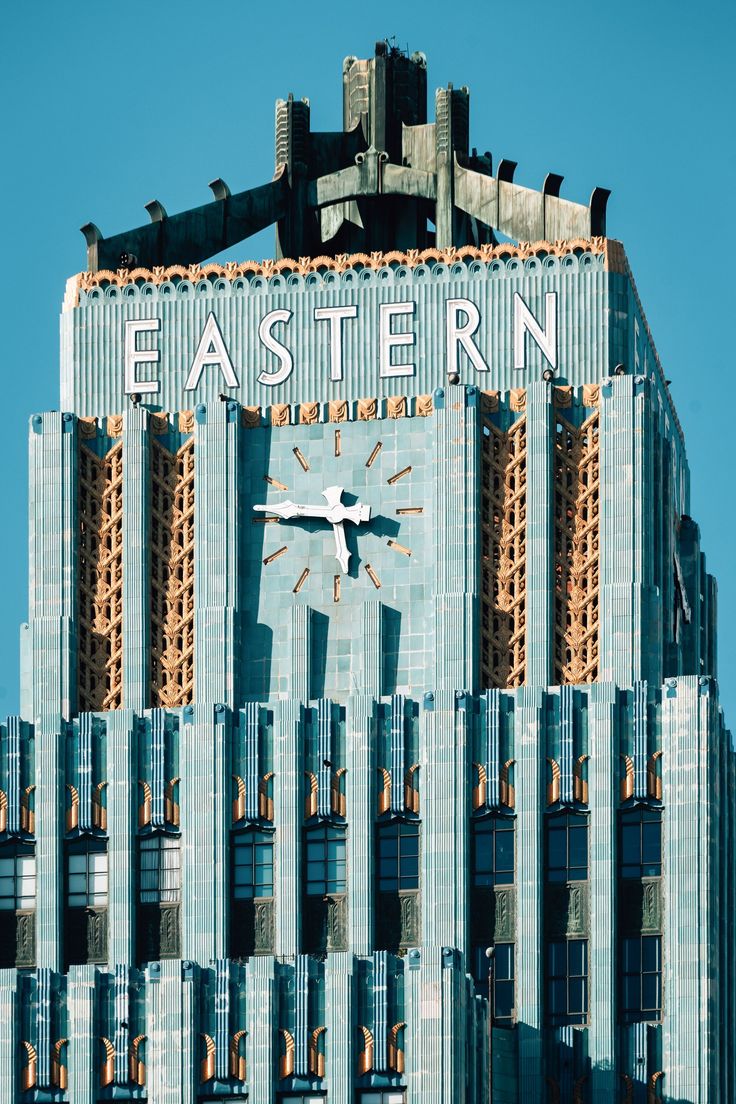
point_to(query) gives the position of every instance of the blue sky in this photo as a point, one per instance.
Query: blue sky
(107, 106)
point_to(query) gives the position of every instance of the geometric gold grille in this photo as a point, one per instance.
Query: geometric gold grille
(503, 571)
(100, 658)
(172, 574)
(577, 541)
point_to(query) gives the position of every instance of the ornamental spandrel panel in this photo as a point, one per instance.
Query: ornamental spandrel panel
(252, 927)
(324, 921)
(158, 932)
(567, 909)
(493, 918)
(25, 940)
(97, 935)
(398, 921)
(641, 906)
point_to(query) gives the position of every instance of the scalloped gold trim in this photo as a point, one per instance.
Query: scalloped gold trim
(232, 270)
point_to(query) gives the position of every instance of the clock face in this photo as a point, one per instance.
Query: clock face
(340, 505)
(376, 479)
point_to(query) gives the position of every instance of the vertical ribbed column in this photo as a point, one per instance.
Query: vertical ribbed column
(689, 727)
(10, 1037)
(49, 797)
(204, 788)
(52, 562)
(455, 540)
(122, 801)
(216, 536)
(602, 799)
(445, 780)
(529, 744)
(370, 646)
(300, 636)
(626, 619)
(288, 759)
(438, 1035)
(262, 1011)
(172, 1066)
(413, 1014)
(539, 534)
(360, 760)
(136, 599)
(83, 1053)
(339, 1061)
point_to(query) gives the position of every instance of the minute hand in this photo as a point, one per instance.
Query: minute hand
(288, 510)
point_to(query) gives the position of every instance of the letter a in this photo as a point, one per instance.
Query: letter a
(211, 350)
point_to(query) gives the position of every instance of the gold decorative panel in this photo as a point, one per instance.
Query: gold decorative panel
(503, 574)
(172, 574)
(100, 663)
(577, 540)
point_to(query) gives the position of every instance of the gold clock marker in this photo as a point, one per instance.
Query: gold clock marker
(275, 555)
(301, 580)
(399, 548)
(372, 576)
(275, 483)
(301, 458)
(338, 443)
(336, 588)
(371, 459)
(399, 475)
(410, 510)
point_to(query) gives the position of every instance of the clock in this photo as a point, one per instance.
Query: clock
(346, 493)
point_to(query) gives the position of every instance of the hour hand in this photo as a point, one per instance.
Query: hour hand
(341, 549)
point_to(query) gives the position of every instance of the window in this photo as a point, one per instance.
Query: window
(160, 880)
(640, 842)
(641, 980)
(503, 979)
(567, 981)
(567, 848)
(388, 1096)
(301, 1098)
(325, 847)
(493, 851)
(252, 864)
(398, 856)
(87, 878)
(17, 877)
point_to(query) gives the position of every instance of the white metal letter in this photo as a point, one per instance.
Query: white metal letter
(335, 316)
(462, 336)
(271, 379)
(545, 338)
(211, 350)
(134, 356)
(387, 340)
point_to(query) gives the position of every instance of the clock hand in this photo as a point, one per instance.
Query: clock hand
(341, 549)
(288, 510)
(335, 511)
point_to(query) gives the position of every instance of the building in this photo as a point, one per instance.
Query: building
(368, 630)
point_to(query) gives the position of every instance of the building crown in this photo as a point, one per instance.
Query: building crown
(372, 186)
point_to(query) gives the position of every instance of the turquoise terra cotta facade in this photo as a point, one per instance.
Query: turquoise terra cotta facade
(261, 817)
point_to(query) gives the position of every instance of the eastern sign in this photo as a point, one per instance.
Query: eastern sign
(462, 321)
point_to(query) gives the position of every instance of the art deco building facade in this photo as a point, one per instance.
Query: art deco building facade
(368, 630)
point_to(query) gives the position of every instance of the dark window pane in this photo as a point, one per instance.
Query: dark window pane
(577, 995)
(557, 848)
(504, 851)
(650, 993)
(504, 999)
